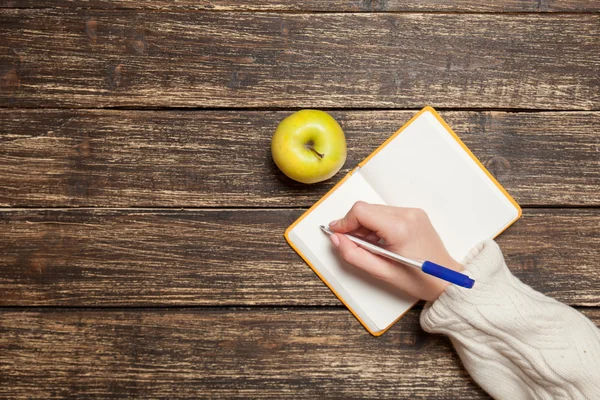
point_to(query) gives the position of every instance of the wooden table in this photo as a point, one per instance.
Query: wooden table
(141, 228)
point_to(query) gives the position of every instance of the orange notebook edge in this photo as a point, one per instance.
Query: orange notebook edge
(315, 270)
(484, 169)
(360, 164)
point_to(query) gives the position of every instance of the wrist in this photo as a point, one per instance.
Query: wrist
(455, 265)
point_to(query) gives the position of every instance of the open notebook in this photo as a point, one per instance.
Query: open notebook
(423, 165)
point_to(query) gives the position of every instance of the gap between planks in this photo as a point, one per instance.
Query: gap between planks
(243, 307)
(293, 109)
(250, 208)
(301, 12)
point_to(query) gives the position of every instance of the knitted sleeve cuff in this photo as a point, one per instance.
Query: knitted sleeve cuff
(516, 342)
(485, 264)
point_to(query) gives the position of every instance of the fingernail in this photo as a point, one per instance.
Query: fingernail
(334, 239)
(334, 223)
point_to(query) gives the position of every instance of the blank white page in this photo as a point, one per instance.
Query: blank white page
(425, 167)
(367, 296)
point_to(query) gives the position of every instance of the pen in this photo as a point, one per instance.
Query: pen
(431, 268)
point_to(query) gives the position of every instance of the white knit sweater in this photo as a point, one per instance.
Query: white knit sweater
(515, 342)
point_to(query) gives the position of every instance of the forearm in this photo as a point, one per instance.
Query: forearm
(514, 341)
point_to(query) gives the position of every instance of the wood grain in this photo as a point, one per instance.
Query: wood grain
(108, 58)
(221, 158)
(265, 54)
(322, 5)
(237, 257)
(225, 354)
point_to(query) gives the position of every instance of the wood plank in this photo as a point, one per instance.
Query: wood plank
(237, 257)
(225, 354)
(221, 158)
(323, 5)
(106, 58)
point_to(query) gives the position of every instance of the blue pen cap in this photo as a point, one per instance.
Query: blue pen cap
(449, 275)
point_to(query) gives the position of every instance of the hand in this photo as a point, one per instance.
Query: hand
(406, 231)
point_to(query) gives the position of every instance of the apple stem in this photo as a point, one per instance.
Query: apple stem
(311, 147)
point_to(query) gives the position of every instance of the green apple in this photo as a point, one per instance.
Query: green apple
(309, 146)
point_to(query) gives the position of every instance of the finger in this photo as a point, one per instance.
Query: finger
(408, 280)
(363, 259)
(361, 232)
(370, 216)
(373, 237)
(365, 234)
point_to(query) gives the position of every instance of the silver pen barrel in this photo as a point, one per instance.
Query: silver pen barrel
(376, 249)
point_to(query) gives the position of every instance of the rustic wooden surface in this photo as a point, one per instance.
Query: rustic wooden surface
(236, 257)
(230, 59)
(222, 158)
(321, 5)
(141, 219)
(226, 353)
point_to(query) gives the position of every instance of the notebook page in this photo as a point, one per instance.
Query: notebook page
(378, 301)
(425, 167)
